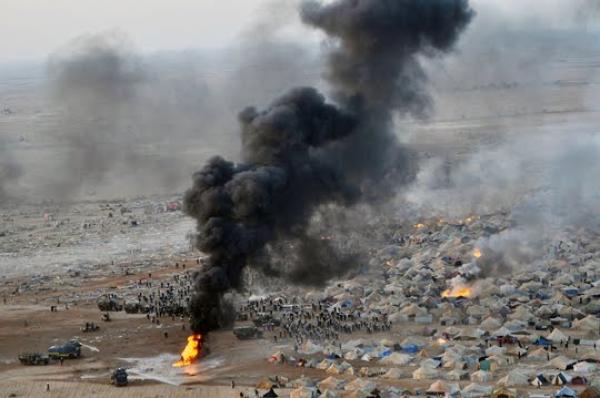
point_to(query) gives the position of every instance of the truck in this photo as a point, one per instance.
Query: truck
(110, 302)
(118, 378)
(33, 359)
(69, 350)
(246, 332)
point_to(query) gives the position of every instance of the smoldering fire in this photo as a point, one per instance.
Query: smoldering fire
(304, 152)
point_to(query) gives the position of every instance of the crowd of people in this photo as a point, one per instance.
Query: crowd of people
(316, 321)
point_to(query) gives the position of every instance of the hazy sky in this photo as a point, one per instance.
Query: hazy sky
(32, 29)
(35, 28)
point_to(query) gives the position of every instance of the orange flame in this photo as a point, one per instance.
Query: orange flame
(459, 291)
(477, 253)
(191, 352)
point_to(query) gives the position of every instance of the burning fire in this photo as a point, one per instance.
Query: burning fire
(419, 226)
(459, 291)
(191, 352)
(477, 253)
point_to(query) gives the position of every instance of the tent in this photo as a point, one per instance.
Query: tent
(495, 350)
(476, 391)
(331, 383)
(441, 388)
(360, 384)
(457, 375)
(504, 392)
(562, 363)
(310, 348)
(324, 364)
(303, 382)
(394, 374)
(481, 376)
(557, 336)
(304, 392)
(566, 392)
(513, 378)
(490, 324)
(430, 363)
(561, 379)
(538, 355)
(539, 381)
(396, 358)
(542, 341)
(584, 367)
(411, 348)
(425, 372)
(270, 394)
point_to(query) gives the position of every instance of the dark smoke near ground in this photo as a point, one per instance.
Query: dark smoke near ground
(303, 152)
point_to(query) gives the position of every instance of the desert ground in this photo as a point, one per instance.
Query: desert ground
(68, 255)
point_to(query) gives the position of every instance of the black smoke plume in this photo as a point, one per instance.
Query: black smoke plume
(303, 153)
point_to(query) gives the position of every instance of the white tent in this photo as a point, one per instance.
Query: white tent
(584, 367)
(304, 392)
(589, 323)
(360, 384)
(513, 378)
(501, 332)
(338, 369)
(538, 355)
(476, 391)
(456, 375)
(331, 383)
(394, 374)
(440, 387)
(481, 376)
(557, 336)
(324, 364)
(303, 382)
(425, 372)
(495, 350)
(562, 362)
(560, 379)
(310, 348)
(490, 324)
(396, 358)
(354, 354)
(430, 363)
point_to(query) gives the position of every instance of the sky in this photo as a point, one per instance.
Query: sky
(32, 29)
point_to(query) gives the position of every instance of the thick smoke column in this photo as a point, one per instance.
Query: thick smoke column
(303, 152)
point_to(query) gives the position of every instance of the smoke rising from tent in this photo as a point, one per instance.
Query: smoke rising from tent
(304, 152)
